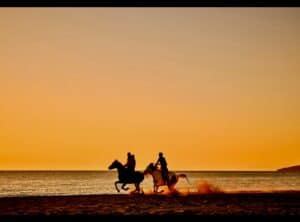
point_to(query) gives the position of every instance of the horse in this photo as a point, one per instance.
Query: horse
(158, 179)
(135, 178)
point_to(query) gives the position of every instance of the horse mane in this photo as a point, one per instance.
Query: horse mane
(118, 162)
(153, 167)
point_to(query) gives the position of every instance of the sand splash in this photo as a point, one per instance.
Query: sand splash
(200, 187)
(208, 188)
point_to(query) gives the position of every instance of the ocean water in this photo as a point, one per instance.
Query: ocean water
(43, 183)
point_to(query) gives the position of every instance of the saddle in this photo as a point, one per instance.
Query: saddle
(129, 173)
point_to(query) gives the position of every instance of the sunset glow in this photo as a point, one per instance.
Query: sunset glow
(212, 88)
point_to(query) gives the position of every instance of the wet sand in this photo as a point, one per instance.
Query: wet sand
(232, 204)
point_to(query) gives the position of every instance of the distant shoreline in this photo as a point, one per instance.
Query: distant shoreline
(291, 169)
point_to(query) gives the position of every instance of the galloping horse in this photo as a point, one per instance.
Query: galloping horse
(135, 178)
(158, 179)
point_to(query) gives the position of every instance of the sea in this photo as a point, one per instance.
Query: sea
(61, 183)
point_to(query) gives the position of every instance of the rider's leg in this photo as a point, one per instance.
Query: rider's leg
(165, 177)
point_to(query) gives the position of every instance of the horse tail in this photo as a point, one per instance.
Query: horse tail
(185, 177)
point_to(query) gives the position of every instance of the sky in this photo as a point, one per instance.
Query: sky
(211, 88)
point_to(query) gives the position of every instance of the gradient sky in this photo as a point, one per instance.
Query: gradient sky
(212, 88)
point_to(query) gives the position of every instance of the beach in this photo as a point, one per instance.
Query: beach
(218, 204)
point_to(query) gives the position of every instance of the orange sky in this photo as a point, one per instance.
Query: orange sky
(213, 88)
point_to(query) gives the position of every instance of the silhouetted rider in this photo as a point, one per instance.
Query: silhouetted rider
(163, 166)
(130, 165)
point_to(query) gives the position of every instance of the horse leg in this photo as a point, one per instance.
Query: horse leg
(171, 186)
(183, 176)
(123, 186)
(141, 190)
(117, 186)
(160, 190)
(137, 187)
(155, 188)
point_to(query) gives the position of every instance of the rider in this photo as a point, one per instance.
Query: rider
(133, 162)
(130, 165)
(163, 166)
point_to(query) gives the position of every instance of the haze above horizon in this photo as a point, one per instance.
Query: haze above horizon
(212, 88)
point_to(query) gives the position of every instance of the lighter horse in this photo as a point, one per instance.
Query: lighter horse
(158, 179)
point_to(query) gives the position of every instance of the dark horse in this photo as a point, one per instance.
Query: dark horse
(135, 178)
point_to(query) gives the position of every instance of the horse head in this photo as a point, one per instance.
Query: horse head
(150, 168)
(115, 164)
